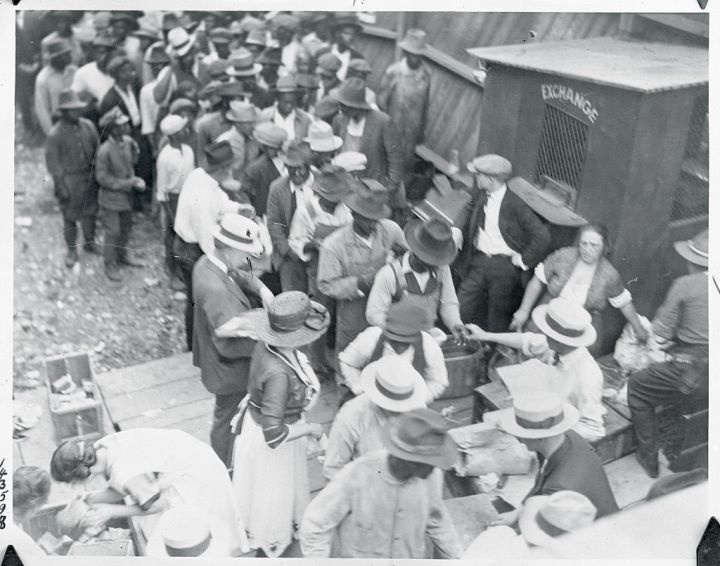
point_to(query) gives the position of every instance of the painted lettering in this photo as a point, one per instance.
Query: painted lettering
(566, 94)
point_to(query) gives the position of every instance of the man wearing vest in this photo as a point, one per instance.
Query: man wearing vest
(401, 336)
(421, 277)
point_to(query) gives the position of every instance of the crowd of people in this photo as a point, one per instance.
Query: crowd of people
(280, 178)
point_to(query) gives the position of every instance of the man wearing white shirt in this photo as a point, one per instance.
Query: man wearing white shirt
(155, 59)
(285, 113)
(92, 80)
(288, 195)
(503, 239)
(201, 204)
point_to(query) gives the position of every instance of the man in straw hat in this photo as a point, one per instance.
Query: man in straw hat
(386, 504)
(286, 196)
(353, 162)
(69, 152)
(345, 28)
(323, 143)
(352, 255)
(545, 517)
(222, 356)
(503, 238)
(56, 76)
(174, 163)
(681, 327)
(391, 386)
(285, 114)
(404, 92)
(245, 71)
(543, 423)
(115, 173)
(401, 336)
(184, 65)
(266, 168)
(421, 276)
(573, 373)
(242, 115)
(374, 134)
(201, 203)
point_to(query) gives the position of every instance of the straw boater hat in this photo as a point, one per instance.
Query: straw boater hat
(241, 112)
(695, 250)
(172, 124)
(243, 64)
(369, 199)
(187, 531)
(321, 137)
(351, 92)
(414, 42)
(544, 517)
(270, 135)
(69, 100)
(393, 384)
(566, 322)
(218, 155)
(332, 183)
(351, 161)
(541, 414)
(432, 241)
(293, 320)
(240, 233)
(421, 436)
(180, 42)
(491, 164)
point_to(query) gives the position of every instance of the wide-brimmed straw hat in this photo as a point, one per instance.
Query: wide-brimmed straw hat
(241, 111)
(69, 100)
(332, 183)
(541, 414)
(421, 435)
(293, 320)
(268, 134)
(405, 321)
(545, 517)
(393, 384)
(431, 241)
(243, 64)
(351, 92)
(239, 233)
(369, 198)
(180, 41)
(565, 321)
(695, 250)
(414, 42)
(321, 137)
(187, 531)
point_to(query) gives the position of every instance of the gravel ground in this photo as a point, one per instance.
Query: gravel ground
(59, 310)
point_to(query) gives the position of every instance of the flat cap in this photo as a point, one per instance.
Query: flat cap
(491, 164)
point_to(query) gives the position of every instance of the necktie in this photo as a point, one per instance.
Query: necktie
(482, 203)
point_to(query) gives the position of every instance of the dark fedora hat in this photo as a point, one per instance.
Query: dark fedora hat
(69, 100)
(343, 19)
(351, 92)
(230, 90)
(56, 47)
(369, 199)
(431, 241)
(695, 250)
(404, 322)
(298, 153)
(218, 155)
(169, 21)
(421, 435)
(332, 183)
(270, 56)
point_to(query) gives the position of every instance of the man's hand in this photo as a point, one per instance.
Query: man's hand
(459, 333)
(365, 282)
(641, 334)
(315, 430)
(519, 320)
(474, 332)
(138, 183)
(98, 516)
(517, 261)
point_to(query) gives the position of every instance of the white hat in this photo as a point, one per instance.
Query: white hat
(541, 414)
(351, 161)
(393, 384)
(546, 516)
(239, 233)
(566, 322)
(321, 137)
(180, 41)
(172, 124)
(186, 531)
(497, 542)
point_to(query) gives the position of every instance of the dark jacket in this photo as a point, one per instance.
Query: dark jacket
(224, 362)
(381, 145)
(280, 211)
(114, 171)
(256, 183)
(112, 99)
(520, 227)
(575, 467)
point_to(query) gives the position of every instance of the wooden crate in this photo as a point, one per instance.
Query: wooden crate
(81, 421)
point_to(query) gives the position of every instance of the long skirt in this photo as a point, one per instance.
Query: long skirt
(271, 486)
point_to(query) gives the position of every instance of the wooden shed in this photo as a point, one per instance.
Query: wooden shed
(622, 122)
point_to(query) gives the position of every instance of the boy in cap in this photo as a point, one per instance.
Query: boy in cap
(69, 152)
(174, 163)
(387, 503)
(55, 77)
(115, 173)
(268, 167)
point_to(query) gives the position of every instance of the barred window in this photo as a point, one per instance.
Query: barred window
(563, 144)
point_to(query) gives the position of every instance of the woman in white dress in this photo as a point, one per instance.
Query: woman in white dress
(270, 454)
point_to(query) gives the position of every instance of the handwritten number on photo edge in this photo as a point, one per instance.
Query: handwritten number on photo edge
(3, 493)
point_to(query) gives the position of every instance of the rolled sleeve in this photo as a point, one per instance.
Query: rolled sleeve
(589, 402)
(668, 315)
(621, 300)
(540, 272)
(449, 309)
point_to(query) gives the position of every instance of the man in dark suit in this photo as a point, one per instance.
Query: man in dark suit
(543, 423)
(220, 350)
(288, 194)
(261, 172)
(374, 134)
(503, 239)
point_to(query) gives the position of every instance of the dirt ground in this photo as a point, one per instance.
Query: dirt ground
(56, 309)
